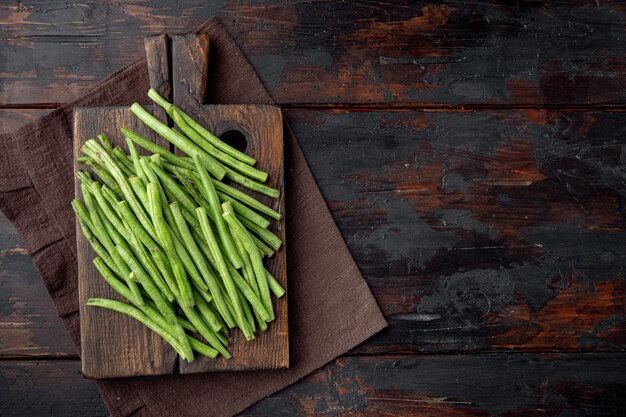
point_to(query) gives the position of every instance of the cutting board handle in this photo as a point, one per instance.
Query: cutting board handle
(188, 58)
(190, 63)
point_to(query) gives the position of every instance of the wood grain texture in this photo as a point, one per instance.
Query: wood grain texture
(112, 344)
(29, 325)
(454, 52)
(159, 70)
(459, 386)
(190, 58)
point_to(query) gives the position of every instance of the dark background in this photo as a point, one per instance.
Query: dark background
(472, 153)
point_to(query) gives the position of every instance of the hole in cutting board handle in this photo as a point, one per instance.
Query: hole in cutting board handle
(236, 139)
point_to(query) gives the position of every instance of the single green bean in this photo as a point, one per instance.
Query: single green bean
(274, 285)
(208, 136)
(140, 316)
(178, 140)
(105, 142)
(97, 247)
(134, 156)
(83, 159)
(255, 258)
(208, 190)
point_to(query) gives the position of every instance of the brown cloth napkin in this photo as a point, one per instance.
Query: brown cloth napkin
(331, 309)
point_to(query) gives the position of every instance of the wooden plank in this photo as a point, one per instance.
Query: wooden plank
(112, 344)
(463, 385)
(463, 242)
(556, 53)
(29, 325)
(47, 388)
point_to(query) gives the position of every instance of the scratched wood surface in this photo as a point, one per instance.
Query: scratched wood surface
(492, 238)
(453, 52)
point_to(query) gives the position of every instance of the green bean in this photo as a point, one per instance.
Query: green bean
(247, 270)
(119, 263)
(106, 207)
(97, 247)
(134, 156)
(187, 261)
(125, 164)
(170, 185)
(98, 228)
(104, 175)
(110, 195)
(165, 309)
(196, 345)
(178, 140)
(255, 258)
(262, 247)
(105, 142)
(207, 313)
(214, 203)
(139, 188)
(138, 315)
(167, 242)
(236, 177)
(111, 279)
(274, 285)
(139, 250)
(269, 237)
(204, 331)
(156, 149)
(83, 159)
(213, 151)
(200, 347)
(249, 326)
(243, 211)
(219, 260)
(221, 337)
(208, 136)
(247, 199)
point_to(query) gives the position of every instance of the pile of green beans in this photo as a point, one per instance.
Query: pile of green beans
(182, 248)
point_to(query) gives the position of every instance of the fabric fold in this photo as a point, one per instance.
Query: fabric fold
(331, 309)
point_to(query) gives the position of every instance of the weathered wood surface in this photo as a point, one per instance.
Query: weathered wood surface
(514, 226)
(457, 52)
(466, 385)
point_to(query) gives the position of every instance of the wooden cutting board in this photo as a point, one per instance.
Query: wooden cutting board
(113, 345)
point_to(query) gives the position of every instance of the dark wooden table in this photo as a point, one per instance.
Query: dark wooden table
(474, 158)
